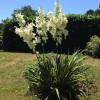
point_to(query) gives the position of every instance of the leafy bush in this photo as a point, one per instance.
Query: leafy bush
(58, 77)
(80, 29)
(93, 47)
(11, 41)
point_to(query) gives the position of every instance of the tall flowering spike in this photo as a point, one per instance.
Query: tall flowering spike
(57, 24)
(54, 23)
(41, 25)
(25, 30)
(57, 7)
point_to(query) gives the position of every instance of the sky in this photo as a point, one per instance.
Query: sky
(68, 6)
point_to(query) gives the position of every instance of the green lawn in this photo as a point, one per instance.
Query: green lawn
(12, 84)
(14, 87)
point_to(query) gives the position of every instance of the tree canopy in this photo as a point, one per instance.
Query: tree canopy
(26, 11)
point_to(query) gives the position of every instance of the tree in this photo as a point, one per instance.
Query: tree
(90, 12)
(97, 11)
(1, 27)
(27, 11)
(93, 12)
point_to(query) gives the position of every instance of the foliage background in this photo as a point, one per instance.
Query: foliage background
(80, 28)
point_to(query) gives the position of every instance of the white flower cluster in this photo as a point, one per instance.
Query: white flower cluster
(25, 31)
(20, 19)
(55, 23)
(41, 25)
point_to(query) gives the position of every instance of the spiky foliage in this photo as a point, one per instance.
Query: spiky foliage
(57, 77)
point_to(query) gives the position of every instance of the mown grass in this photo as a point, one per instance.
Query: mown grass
(14, 87)
(12, 84)
(94, 67)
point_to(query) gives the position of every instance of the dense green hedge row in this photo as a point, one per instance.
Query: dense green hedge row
(1, 36)
(80, 27)
(11, 41)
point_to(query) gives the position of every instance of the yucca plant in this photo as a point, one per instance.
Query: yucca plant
(53, 77)
(58, 77)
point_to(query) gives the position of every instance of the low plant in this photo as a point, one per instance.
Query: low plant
(93, 47)
(58, 77)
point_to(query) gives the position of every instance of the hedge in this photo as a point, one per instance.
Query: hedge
(11, 41)
(1, 35)
(80, 27)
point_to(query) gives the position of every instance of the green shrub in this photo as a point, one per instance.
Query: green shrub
(58, 77)
(11, 41)
(80, 29)
(93, 47)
